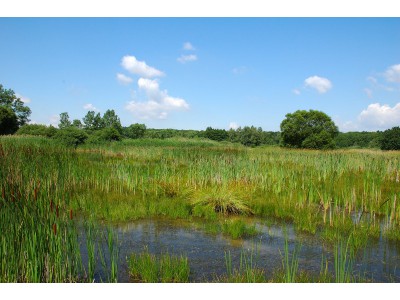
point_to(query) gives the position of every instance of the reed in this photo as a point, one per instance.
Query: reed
(146, 267)
(45, 188)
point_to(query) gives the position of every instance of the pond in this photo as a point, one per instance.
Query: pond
(378, 262)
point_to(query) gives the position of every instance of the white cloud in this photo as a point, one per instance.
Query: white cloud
(158, 102)
(89, 106)
(379, 117)
(23, 98)
(186, 58)
(188, 46)
(123, 79)
(392, 74)
(131, 64)
(233, 125)
(322, 85)
(296, 92)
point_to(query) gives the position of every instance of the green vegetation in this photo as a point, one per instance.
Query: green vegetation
(146, 267)
(391, 139)
(308, 129)
(99, 170)
(9, 100)
(8, 120)
(358, 140)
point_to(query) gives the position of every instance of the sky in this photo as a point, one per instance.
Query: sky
(191, 73)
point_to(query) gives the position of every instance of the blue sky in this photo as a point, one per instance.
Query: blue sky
(190, 73)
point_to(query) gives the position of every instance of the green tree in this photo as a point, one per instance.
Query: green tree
(111, 120)
(93, 121)
(64, 121)
(135, 131)
(250, 136)
(8, 121)
(77, 124)
(104, 135)
(10, 100)
(71, 137)
(308, 129)
(390, 139)
(216, 134)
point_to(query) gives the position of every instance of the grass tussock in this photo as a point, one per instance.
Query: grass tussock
(222, 201)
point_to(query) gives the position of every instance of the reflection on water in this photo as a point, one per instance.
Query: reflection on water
(206, 252)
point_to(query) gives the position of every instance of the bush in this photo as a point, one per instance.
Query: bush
(37, 129)
(135, 131)
(104, 135)
(71, 137)
(391, 139)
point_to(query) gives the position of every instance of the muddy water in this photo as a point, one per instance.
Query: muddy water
(379, 262)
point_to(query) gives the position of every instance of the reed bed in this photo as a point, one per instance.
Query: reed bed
(45, 187)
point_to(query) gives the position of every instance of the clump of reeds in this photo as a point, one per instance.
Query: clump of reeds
(147, 267)
(247, 272)
(222, 201)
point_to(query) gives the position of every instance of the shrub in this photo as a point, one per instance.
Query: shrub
(71, 137)
(104, 135)
(37, 129)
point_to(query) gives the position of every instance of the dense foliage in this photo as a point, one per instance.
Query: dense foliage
(9, 100)
(37, 129)
(8, 120)
(391, 139)
(134, 131)
(71, 137)
(362, 139)
(308, 129)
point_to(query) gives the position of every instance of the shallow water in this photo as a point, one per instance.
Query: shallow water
(379, 262)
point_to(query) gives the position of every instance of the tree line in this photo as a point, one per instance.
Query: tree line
(302, 129)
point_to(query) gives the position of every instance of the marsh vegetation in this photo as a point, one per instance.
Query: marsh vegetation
(54, 200)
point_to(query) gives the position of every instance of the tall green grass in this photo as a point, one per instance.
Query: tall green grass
(149, 268)
(317, 191)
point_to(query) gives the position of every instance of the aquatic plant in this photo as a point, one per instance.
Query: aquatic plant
(146, 267)
(223, 201)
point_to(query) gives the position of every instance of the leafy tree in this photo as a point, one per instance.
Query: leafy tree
(356, 139)
(8, 120)
(93, 121)
(216, 134)
(250, 136)
(10, 100)
(37, 129)
(391, 139)
(71, 137)
(111, 120)
(77, 124)
(135, 131)
(308, 129)
(64, 121)
(104, 135)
